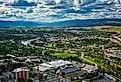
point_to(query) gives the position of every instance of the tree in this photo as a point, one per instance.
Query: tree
(40, 77)
(21, 80)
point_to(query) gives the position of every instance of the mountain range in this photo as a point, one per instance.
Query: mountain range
(60, 12)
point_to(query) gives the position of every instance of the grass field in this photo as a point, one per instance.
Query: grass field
(64, 55)
(51, 45)
(109, 28)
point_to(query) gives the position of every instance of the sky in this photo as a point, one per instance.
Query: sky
(88, 9)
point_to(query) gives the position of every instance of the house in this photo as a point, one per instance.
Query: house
(32, 59)
(9, 56)
(2, 63)
(21, 59)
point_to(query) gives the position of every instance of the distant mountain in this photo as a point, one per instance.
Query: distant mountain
(88, 22)
(18, 23)
(76, 23)
(69, 2)
(60, 13)
(80, 1)
(20, 3)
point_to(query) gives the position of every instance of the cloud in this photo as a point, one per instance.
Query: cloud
(45, 13)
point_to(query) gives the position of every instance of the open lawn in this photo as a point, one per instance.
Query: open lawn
(64, 55)
(51, 45)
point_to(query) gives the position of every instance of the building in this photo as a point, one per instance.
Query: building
(21, 73)
(9, 56)
(58, 63)
(50, 65)
(42, 67)
(107, 78)
(69, 69)
(32, 59)
(89, 68)
(6, 77)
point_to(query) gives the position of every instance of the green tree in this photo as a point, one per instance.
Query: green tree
(21, 80)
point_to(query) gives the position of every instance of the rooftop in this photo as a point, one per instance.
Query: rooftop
(107, 78)
(89, 68)
(70, 69)
(58, 63)
(21, 69)
(53, 64)
(41, 68)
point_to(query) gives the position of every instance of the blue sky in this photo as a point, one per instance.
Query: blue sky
(55, 13)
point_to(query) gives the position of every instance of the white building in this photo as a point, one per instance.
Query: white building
(54, 64)
(59, 63)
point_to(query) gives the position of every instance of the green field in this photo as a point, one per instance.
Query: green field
(51, 45)
(109, 28)
(64, 55)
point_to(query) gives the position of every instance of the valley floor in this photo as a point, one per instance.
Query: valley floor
(97, 46)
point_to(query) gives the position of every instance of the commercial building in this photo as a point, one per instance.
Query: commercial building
(54, 64)
(58, 63)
